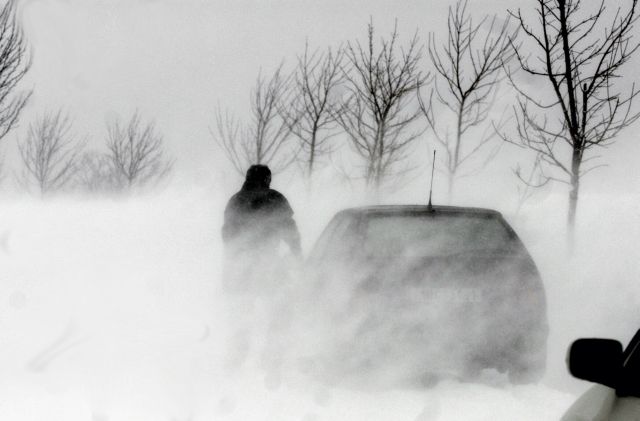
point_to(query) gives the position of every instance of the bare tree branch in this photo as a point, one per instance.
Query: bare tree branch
(49, 153)
(265, 138)
(529, 182)
(580, 56)
(468, 71)
(312, 109)
(379, 113)
(96, 173)
(14, 64)
(136, 153)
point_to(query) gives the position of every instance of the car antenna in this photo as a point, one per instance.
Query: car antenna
(433, 166)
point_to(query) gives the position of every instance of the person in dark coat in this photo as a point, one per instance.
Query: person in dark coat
(258, 224)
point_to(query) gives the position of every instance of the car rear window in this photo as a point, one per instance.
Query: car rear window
(334, 240)
(425, 235)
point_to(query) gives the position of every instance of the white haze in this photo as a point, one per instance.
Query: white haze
(112, 309)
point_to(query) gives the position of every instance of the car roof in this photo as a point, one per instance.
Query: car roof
(413, 209)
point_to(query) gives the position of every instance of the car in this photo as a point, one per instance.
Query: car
(616, 372)
(415, 293)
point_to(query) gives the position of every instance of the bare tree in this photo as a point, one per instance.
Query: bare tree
(264, 140)
(529, 181)
(136, 153)
(50, 153)
(14, 64)
(579, 54)
(311, 112)
(468, 71)
(379, 111)
(233, 139)
(96, 173)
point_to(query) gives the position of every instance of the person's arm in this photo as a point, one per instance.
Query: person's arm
(230, 226)
(293, 237)
(290, 229)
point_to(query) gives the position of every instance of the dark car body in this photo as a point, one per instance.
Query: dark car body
(616, 372)
(413, 292)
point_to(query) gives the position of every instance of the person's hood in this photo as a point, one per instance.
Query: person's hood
(258, 177)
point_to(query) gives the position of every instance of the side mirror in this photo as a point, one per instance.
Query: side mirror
(596, 360)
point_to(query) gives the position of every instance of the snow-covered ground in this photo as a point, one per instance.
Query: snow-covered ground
(112, 310)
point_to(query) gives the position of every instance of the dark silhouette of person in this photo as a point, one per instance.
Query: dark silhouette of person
(258, 222)
(258, 225)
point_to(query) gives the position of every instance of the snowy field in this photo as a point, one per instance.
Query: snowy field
(112, 310)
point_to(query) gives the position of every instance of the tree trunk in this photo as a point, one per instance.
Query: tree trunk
(312, 155)
(573, 197)
(456, 154)
(379, 156)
